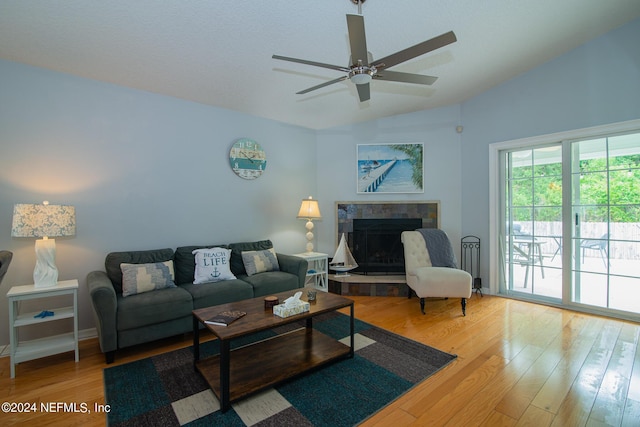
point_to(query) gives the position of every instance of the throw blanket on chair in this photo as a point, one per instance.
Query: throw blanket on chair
(439, 247)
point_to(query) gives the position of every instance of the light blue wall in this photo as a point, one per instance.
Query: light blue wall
(143, 171)
(336, 154)
(597, 83)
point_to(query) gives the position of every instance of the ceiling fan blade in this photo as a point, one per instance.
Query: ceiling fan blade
(357, 39)
(330, 82)
(315, 64)
(395, 76)
(364, 92)
(414, 51)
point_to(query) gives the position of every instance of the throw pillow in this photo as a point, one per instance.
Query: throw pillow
(140, 278)
(237, 266)
(212, 265)
(260, 261)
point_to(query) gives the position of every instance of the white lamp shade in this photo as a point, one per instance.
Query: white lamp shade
(309, 209)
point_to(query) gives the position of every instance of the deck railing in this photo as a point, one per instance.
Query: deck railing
(624, 237)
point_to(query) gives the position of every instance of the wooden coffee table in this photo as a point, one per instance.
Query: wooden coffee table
(235, 374)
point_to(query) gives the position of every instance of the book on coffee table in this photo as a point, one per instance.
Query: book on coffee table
(224, 318)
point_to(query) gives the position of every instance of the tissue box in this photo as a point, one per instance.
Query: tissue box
(281, 311)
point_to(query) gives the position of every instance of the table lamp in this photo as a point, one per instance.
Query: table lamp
(45, 220)
(309, 210)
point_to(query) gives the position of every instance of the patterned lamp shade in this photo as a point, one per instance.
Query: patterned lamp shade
(43, 220)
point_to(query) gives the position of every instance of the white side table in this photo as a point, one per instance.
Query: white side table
(21, 351)
(317, 270)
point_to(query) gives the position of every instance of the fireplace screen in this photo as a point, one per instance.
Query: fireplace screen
(377, 246)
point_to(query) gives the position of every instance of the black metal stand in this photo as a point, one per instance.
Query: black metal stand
(470, 260)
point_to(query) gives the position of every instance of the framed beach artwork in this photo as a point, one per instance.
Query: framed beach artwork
(390, 168)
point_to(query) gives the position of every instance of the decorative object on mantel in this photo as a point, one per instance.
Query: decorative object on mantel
(309, 210)
(45, 220)
(343, 261)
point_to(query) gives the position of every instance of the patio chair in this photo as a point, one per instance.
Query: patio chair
(599, 245)
(527, 251)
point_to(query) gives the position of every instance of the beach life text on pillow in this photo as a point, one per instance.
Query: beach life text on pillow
(212, 265)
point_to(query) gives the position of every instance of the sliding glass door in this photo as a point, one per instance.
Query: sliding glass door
(569, 222)
(533, 213)
(605, 183)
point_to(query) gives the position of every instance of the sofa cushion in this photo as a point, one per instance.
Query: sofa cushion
(212, 265)
(149, 308)
(237, 266)
(129, 337)
(208, 294)
(140, 278)
(271, 282)
(260, 261)
(114, 259)
(185, 262)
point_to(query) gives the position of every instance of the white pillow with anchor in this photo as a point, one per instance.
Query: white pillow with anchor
(212, 265)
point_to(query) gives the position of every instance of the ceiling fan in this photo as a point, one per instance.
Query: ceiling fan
(363, 68)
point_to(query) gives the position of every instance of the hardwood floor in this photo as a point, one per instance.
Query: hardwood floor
(518, 364)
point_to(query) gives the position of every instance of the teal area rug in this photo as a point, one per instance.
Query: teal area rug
(166, 390)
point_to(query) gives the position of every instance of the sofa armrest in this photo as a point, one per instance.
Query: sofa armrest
(105, 305)
(294, 265)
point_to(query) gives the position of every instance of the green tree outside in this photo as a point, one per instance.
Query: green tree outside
(605, 193)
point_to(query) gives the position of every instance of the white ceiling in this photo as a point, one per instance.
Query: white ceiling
(218, 52)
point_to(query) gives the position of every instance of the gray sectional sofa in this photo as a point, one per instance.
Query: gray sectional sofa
(124, 321)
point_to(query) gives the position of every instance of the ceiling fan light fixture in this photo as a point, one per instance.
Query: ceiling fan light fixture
(361, 75)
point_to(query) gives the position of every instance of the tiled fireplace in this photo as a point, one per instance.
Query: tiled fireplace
(373, 229)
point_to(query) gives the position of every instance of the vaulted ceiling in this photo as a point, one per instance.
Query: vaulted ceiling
(218, 52)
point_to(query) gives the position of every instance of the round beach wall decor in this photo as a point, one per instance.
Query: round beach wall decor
(247, 158)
